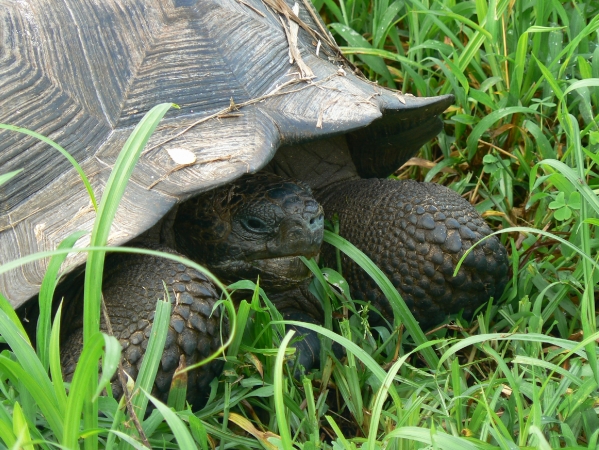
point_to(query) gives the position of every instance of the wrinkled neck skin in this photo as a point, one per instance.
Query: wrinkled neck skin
(321, 164)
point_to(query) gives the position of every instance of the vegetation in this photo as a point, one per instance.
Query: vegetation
(520, 143)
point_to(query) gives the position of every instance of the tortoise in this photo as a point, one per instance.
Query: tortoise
(261, 87)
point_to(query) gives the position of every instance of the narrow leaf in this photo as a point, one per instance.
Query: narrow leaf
(182, 435)
(7, 176)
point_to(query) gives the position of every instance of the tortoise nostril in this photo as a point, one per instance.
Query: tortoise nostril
(317, 220)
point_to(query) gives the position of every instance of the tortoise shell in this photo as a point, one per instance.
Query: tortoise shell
(84, 72)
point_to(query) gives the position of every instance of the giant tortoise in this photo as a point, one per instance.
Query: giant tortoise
(260, 89)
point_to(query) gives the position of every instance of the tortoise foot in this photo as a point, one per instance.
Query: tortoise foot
(416, 233)
(132, 285)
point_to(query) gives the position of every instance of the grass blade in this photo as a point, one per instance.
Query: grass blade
(129, 440)
(113, 193)
(38, 389)
(151, 361)
(486, 123)
(439, 439)
(29, 368)
(356, 40)
(111, 197)
(182, 435)
(383, 391)
(82, 389)
(5, 177)
(110, 363)
(400, 309)
(12, 316)
(7, 435)
(178, 391)
(349, 346)
(46, 296)
(279, 392)
(64, 153)
(570, 346)
(21, 428)
(54, 360)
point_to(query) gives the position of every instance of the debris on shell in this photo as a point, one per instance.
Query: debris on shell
(294, 52)
(39, 231)
(181, 155)
(257, 11)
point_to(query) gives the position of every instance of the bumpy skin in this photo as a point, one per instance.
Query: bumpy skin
(132, 285)
(416, 233)
(257, 226)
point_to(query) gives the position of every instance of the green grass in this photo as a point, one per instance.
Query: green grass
(521, 144)
(33, 398)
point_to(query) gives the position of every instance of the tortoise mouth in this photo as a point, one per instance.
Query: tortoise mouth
(284, 267)
(275, 274)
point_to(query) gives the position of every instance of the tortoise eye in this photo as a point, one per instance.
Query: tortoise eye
(256, 225)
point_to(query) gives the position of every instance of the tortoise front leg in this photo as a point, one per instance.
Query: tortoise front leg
(132, 285)
(416, 233)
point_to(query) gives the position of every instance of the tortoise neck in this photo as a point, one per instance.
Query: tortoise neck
(320, 164)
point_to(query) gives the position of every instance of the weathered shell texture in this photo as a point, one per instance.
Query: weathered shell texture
(83, 72)
(132, 285)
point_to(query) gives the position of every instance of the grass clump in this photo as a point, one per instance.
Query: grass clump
(521, 144)
(37, 408)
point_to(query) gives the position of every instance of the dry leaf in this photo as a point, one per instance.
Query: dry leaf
(293, 31)
(257, 11)
(323, 108)
(294, 52)
(421, 162)
(181, 155)
(130, 383)
(180, 379)
(491, 213)
(262, 436)
(253, 359)
(283, 8)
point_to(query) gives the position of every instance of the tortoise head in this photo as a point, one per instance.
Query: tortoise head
(258, 226)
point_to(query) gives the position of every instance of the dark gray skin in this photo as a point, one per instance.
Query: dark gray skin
(132, 284)
(260, 225)
(257, 226)
(415, 232)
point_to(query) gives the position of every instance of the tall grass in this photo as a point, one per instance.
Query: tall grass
(521, 144)
(34, 393)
